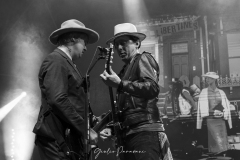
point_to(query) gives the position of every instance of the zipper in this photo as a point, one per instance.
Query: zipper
(133, 102)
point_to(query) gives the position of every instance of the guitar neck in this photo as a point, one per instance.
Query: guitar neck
(105, 120)
(107, 67)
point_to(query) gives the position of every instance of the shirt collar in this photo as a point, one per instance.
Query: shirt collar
(64, 49)
(210, 89)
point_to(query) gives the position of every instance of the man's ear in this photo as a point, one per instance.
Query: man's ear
(137, 43)
(72, 40)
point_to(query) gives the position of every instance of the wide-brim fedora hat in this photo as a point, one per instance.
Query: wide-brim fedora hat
(213, 75)
(73, 25)
(126, 29)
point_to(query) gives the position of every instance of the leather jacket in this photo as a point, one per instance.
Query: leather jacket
(138, 91)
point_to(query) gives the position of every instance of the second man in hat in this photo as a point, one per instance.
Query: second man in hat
(137, 92)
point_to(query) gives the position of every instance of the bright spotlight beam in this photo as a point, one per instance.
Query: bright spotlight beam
(8, 107)
(136, 13)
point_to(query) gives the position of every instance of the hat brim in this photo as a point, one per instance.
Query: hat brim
(141, 36)
(211, 76)
(93, 36)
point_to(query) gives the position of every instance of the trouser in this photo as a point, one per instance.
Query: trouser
(49, 149)
(147, 145)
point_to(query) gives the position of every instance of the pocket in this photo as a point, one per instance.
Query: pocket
(41, 128)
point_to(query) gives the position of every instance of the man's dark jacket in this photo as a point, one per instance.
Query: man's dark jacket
(61, 90)
(138, 91)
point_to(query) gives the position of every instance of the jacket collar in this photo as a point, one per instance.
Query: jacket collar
(69, 60)
(62, 48)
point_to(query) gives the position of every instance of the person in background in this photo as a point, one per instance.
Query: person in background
(62, 94)
(168, 98)
(195, 91)
(137, 96)
(168, 93)
(186, 103)
(214, 106)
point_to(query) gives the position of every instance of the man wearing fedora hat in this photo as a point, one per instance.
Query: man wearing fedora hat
(63, 96)
(137, 92)
(214, 106)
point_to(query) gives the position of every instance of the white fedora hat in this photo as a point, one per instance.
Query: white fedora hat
(73, 25)
(211, 75)
(126, 29)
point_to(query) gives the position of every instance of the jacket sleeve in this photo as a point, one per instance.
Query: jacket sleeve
(55, 84)
(146, 85)
(203, 107)
(226, 111)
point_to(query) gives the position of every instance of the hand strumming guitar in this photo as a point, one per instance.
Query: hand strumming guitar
(106, 134)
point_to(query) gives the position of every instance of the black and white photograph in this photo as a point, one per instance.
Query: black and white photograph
(120, 80)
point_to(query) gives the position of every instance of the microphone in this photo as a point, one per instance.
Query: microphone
(104, 50)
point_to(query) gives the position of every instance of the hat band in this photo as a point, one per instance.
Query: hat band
(118, 34)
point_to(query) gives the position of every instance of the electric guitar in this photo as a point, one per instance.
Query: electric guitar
(75, 143)
(103, 122)
(115, 112)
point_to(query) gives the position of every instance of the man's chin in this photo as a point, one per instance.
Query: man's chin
(125, 60)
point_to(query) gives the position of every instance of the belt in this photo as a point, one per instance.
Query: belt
(138, 119)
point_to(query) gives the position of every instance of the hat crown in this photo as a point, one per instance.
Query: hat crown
(211, 75)
(72, 23)
(125, 28)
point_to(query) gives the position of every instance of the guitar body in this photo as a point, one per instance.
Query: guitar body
(76, 144)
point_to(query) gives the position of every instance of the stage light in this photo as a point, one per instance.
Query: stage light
(8, 107)
(27, 55)
(134, 10)
(17, 127)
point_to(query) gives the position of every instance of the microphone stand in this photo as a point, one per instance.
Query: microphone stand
(88, 112)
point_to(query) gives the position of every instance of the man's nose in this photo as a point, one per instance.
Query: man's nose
(85, 48)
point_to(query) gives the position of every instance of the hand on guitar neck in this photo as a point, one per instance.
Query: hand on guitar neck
(111, 80)
(109, 77)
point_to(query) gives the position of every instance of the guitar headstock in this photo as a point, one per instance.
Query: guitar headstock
(103, 52)
(109, 59)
